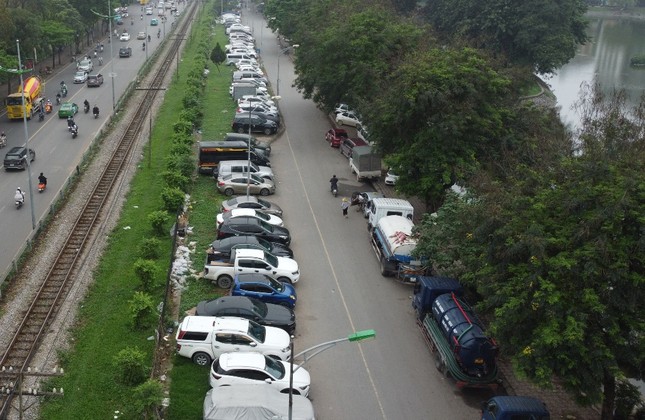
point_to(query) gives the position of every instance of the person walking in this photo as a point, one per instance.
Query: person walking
(344, 204)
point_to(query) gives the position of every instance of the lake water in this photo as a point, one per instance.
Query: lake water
(606, 57)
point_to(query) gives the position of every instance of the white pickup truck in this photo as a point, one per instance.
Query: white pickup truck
(221, 272)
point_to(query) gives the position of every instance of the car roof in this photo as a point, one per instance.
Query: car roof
(236, 360)
(252, 278)
(242, 220)
(231, 323)
(238, 240)
(232, 302)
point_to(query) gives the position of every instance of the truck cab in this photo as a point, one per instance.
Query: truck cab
(427, 289)
(381, 207)
(514, 408)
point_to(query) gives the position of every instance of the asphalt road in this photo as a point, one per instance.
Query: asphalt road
(57, 154)
(341, 289)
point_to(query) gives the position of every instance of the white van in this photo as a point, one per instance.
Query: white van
(227, 167)
(380, 207)
(233, 58)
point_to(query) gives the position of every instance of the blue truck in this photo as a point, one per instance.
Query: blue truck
(455, 335)
(514, 408)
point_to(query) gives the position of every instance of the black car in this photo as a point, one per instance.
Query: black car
(223, 247)
(251, 226)
(16, 158)
(267, 314)
(270, 117)
(125, 52)
(94, 80)
(257, 123)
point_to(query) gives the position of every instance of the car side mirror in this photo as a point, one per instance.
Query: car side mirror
(254, 344)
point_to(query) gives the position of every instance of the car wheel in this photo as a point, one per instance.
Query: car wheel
(229, 192)
(284, 280)
(265, 191)
(202, 359)
(240, 130)
(224, 282)
(267, 131)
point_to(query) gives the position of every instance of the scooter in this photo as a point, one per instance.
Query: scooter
(334, 190)
(3, 141)
(86, 108)
(74, 130)
(41, 116)
(96, 113)
(20, 200)
(41, 187)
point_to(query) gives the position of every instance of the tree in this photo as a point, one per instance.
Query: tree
(558, 257)
(218, 56)
(349, 56)
(439, 110)
(540, 34)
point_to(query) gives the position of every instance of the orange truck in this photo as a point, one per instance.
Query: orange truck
(33, 101)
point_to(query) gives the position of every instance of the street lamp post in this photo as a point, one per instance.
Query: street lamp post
(311, 352)
(282, 51)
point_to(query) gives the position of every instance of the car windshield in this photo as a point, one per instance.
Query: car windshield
(80, 73)
(264, 203)
(262, 216)
(257, 331)
(265, 244)
(260, 307)
(271, 259)
(266, 226)
(276, 284)
(274, 368)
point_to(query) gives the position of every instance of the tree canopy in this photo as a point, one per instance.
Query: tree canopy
(540, 34)
(558, 257)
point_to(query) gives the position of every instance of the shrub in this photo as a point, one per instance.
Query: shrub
(176, 180)
(158, 219)
(142, 311)
(183, 127)
(173, 199)
(180, 149)
(146, 397)
(146, 271)
(149, 248)
(184, 164)
(129, 366)
(638, 60)
(182, 138)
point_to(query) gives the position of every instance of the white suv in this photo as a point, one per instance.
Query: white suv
(203, 338)
(254, 368)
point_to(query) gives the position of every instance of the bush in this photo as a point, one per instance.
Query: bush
(158, 219)
(184, 164)
(173, 199)
(181, 149)
(182, 127)
(638, 60)
(142, 310)
(149, 248)
(146, 397)
(129, 366)
(176, 180)
(182, 138)
(146, 271)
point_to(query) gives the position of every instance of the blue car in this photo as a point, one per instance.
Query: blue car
(264, 288)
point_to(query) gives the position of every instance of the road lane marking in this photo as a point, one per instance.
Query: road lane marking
(340, 291)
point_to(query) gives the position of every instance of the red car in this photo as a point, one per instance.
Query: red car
(335, 136)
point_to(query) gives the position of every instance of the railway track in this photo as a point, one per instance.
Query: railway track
(54, 289)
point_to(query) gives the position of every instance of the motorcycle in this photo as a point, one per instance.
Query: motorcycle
(63, 92)
(74, 130)
(48, 107)
(3, 140)
(41, 187)
(41, 116)
(96, 112)
(58, 99)
(334, 190)
(86, 108)
(20, 200)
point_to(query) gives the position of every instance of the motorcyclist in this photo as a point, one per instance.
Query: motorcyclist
(144, 45)
(42, 179)
(3, 139)
(158, 33)
(58, 98)
(70, 122)
(86, 105)
(334, 183)
(48, 106)
(19, 196)
(101, 60)
(95, 111)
